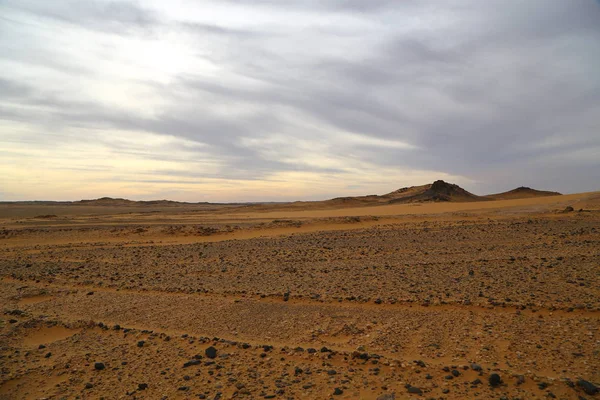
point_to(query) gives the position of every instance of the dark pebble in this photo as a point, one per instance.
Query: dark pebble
(495, 380)
(414, 390)
(211, 352)
(588, 387)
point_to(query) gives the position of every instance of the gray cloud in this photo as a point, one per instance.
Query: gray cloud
(483, 90)
(118, 16)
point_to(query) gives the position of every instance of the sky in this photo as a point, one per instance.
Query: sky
(273, 100)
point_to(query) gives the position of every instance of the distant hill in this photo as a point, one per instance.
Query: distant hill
(438, 191)
(109, 201)
(521, 192)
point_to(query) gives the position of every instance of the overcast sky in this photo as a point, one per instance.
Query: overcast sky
(233, 100)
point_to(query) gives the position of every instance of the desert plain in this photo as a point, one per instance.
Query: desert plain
(346, 299)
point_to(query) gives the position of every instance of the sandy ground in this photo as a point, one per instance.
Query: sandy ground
(386, 302)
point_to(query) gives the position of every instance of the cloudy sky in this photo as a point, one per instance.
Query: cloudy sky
(231, 100)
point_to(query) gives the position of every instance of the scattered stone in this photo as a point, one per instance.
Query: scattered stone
(495, 380)
(99, 366)
(476, 367)
(337, 392)
(211, 352)
(142, 386)
(89, 385)
(414, 390)
(190, 363)
(588, 387)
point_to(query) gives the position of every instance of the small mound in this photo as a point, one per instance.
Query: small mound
(438, 191)
(522, 192)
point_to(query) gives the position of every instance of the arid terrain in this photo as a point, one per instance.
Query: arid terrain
(428, 292)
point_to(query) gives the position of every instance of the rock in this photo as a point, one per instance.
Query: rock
(211, 352)
(387, 396)
(331, 372)
(99, 366)
(414, 390)
(183, 388)
(495, 380)
(41, 346)
(191, 362)
(88, 385)
(520, 379)
(310, 350)
(476, 367)
(476, 382)
(588, 387)
(378, 301)
(48, 355)
(337, 391)
(140, 343)
(362, 356)
(142, 386)
(455, 372)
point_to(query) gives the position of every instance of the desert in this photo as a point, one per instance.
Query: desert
(442, 295)
(299, 200)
